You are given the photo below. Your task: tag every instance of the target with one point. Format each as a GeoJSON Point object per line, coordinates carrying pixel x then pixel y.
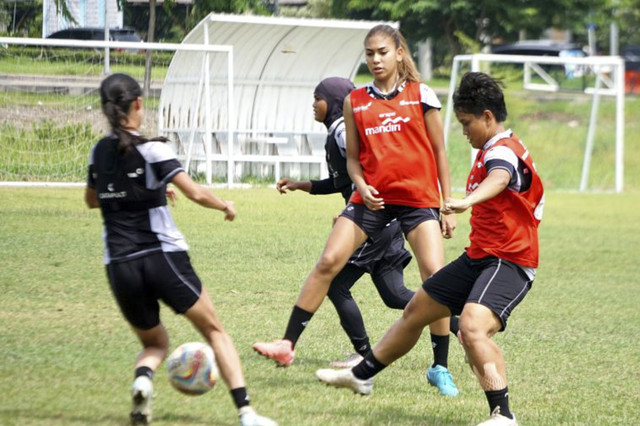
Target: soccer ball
{"type": "Point", "coordinates": [192, 368]}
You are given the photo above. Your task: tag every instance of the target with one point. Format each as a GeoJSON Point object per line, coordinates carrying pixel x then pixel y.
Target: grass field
{"type": "Point", "coordinates": [571, 347]}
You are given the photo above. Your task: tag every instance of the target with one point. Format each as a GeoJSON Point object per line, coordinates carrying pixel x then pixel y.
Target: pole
{"type": "Point", "coordinates": [107, 65]}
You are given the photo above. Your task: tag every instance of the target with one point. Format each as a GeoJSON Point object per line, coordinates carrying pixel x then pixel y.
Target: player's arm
{"type": "Point", "coordinates": [202, 196]}
{"type": "Point", "coordinates": [435, 133]}
{"type": "Point", "coordinates": [286, 184]}
{"type": "Point", "coordinates": [496, 181]}
{"type": "Point", "coordinates": [91, 198]}
{"type": "Point", "coordinates": [354, 168]}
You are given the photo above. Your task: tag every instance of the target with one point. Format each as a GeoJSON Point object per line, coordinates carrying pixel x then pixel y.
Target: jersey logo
{"type": "Point", "coordinates": [389, 125]}
{"type": "Point", "coordinates": [404, 103]}
{"type": "Point", "coordinates": [362, 107]}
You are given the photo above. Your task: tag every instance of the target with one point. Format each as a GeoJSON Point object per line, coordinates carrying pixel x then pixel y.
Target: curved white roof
{"type": "Point", "coordinates": [277, 62]}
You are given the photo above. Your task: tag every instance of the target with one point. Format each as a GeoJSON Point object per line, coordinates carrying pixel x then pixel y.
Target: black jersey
{"type": "Point", "coordinates": [131, 193]}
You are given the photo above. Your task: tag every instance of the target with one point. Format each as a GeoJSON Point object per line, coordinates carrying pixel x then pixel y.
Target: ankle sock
{"type": "Point", "coordinates": [499, 398]}
{"type": "Point", "coordinates": [440, 345]}
{"type": "Point", "coordinates": [240, 397]}
{"type": "Point", "coordinates": [143, 371]}
{"type": "Point", "coordinates": [368, 367]}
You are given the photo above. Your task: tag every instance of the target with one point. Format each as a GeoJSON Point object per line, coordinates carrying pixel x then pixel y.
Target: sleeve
{"type": "Point", "coordinates": [428, 98]}
{"type": "Point", "coordinates": [322, 187]}
{"type": "Point", "coordinates": [501, 157]}
{"type": "Point", "coordinates": [161, 159]}
{"type": "Point", "coordinates": [91, 175]}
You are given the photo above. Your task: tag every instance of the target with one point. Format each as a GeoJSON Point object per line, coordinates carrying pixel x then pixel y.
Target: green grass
{"type": "Point", "coordinates": [571, 346]}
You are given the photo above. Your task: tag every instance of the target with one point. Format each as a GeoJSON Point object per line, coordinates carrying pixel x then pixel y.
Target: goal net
{"type": "Point", "coordinates": [50, 114]}
{"type": "Point", "coordinates": [568, 111]}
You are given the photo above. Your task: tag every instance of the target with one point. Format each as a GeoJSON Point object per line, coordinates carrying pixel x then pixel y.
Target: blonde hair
{"type": "Point", "coordinates": [407, 69]}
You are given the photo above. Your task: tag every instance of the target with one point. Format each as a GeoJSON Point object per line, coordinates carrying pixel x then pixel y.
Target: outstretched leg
{"type": "Point", "coordinates": [345, 237]}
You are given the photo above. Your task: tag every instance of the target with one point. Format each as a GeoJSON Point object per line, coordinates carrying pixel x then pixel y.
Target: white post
{"type": "Point", "coordinates": [588, 150]}
{"type": "Point", "coordinates": [231, 117]}
{"type": "Point", "coordinates": [455, 67]}
{"type": "Point", "coordinates": [194, 116]}
{"type": "Point", "coordinates": [107, 65]}
{"type": "Point", "coordinates": [620, 126]}
{"type": "Point", "coordinates": [475, 67]}
{"type": "Point", "coordinates": [207, 108]}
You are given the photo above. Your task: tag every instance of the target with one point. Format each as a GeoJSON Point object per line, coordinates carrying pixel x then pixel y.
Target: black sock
{"type": "Point", "coordinates": [240, 397]}
{"type": "Point", "coordinates": [362, 346]}
{"type": "Point", "coordinates": [143, 371]}
{"type": "Point", "coordinates": [297, 322]}
{"type": "Point", "coordinates": [440, 345]}
{"type": "Point", "coordinates": [368, 367]}
{"type": "Point", "coordinates": [454, 325]}
{"type": "Point", "coordinates": [499, 398]}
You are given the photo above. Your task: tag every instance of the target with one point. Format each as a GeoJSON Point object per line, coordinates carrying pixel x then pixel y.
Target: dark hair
{"type": "Point", "coordinates": [478, 92]}
{"type": "Point", "coordinates": [117, 93]}
{"type": "Point", "coordinates": [407, 68]}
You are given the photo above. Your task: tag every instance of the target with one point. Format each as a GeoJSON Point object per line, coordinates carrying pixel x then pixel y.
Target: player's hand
{"type": "Point", "coordinates": [372, 202]}
{"type": "Point", "coordinates": [172, 196]}
{"type": "Point", "coordinates": [447, 224]}
{"type": "Point", "coordinates": [286, 184]}
{"type": "Point", "coordinates": [229, 211]}
{"type": "Point", "coordinates": [455, 205]}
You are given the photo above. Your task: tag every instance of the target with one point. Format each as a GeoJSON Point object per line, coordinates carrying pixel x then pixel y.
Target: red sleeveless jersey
{"type": "Point", "coordinates": [395, 152]}
{"type": "Point", "coordinates": [506, 226]}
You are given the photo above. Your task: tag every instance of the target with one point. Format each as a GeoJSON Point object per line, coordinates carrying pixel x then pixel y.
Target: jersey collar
{"type": "Point", "coordinates": [502, 135]}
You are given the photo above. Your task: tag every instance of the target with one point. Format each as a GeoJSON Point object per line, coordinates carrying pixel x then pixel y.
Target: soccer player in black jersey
{"type": "Point", "coordinates": [383, 259]}
{"type": "Point", "coordinates": [145, 254]}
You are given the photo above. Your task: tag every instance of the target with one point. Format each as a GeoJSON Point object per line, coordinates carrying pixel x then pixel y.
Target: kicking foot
{"type": "Point", "coordinates": [249, 417]}
{"type": "Point", "coordinates": [345, 379]}
{"type": "Point", "coordinates": [281, 351]}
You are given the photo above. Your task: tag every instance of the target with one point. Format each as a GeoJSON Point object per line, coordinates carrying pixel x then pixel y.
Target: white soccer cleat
{"type": "Point", "coordinates": [141, 394]}
{"type": "Point", "coordinates": [498, 419]}
{"type": "Point", "coordinates": [345, 379]}
{"type": "Point", "coordinates": [349, 362]}
{"type": "Point", "coordinates": [249, 417]}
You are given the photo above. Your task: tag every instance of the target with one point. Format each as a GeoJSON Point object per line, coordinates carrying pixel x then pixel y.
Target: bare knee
{"type": "Point", "coordinates": [329, 264]}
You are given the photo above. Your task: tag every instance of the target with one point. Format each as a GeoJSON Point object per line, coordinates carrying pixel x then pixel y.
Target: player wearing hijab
{"type": "Point", "coordinates": [496, 271]}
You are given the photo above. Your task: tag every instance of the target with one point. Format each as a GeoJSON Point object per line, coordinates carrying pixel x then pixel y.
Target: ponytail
{"type": "Point", "coordinates": [117, 94]}
{"type": "Point", "coordinates": [407, 70]}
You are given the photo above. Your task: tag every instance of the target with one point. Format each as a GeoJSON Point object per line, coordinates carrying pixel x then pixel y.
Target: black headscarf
{"type": "Point", "coordinates": [333, 90]}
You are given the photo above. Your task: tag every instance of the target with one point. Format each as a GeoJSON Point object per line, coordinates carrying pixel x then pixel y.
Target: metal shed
{"type": "Point", "coordinates": [258, 93]}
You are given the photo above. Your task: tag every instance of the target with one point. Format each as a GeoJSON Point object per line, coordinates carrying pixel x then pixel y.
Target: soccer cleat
{"type": "Point", "coordinates": [349, 362]}
{"type": "Point", "coordinates": [345, 379]}
{"type": "Point", "coordinates": [249, 417]}
{"type": "Point", "coordinates": [141, 394]}
{"type": "Point", "coordinates": [440, 377]}
{"type": "Point", "coordinates": [281, 351]}
{"type": "Point", "coordinates": [498, 419]}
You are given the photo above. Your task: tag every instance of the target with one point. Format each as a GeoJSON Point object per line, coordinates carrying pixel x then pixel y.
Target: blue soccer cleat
{"type": "Point", "coordinates": [440, 377]}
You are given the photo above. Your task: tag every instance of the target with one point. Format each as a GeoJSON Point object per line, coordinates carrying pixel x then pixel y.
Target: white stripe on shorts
{"type": "Point", "coordinates": [490, 280]}
{"type": "Point", "coordinates": [179, 275]}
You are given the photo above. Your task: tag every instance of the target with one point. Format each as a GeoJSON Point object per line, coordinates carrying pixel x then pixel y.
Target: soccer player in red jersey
{"type": "Point", "coordinates": [397, 161]}
{"type": "Point", "coordinates": [494, 273]}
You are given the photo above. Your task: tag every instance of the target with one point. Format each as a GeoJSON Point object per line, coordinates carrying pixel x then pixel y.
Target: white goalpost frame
{"type": "Point", "coordinates": [138, 46]}
{"type": "Point", "coordinates": [600, 65]}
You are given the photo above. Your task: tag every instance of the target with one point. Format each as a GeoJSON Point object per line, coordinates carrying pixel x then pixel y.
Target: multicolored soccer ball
{"type": "Point", "coordinates": [192, 368]}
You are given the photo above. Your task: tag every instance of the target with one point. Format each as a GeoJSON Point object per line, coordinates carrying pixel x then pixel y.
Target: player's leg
{"type": "Point", "coordinates": [350, 316]}
{"type": "Point", "coordinates": [396, 342]}
{"type": "Point", "coordinates": [389, 282]}
{"type": "Point", "coordinates": [345, 237]}
{"type": "Point", "coordinates": [203, 316]}
{"type": "Point", "coordinates": [426, 241]}
{"type": "Point", "coordinates": [498, 289]}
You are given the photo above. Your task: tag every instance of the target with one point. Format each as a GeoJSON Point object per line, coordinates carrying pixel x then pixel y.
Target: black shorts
{"type": "Point", "coordinates": [387, 252]}
{"type": "Point", "coordinates": [139, 283]}
{"type": "Point", "coordinates": [493, 282]}
{"type": "Point", "coordinates": [373, 222]}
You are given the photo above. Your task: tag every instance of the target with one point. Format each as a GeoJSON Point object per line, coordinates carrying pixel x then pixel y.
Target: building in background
{"type": "Point", "coordinates": [87, 13]}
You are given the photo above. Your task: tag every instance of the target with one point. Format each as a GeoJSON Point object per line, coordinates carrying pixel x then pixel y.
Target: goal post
{"type": "Point", "coordinates": [608, 73]}
{"type": "Point", "coordinates": [50, 112]}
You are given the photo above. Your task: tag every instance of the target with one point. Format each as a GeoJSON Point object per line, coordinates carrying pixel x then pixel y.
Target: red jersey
{"type": "Point", "coordinates": [506, 226]}
{"type": "Point", "coordinates": [395, 152]}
